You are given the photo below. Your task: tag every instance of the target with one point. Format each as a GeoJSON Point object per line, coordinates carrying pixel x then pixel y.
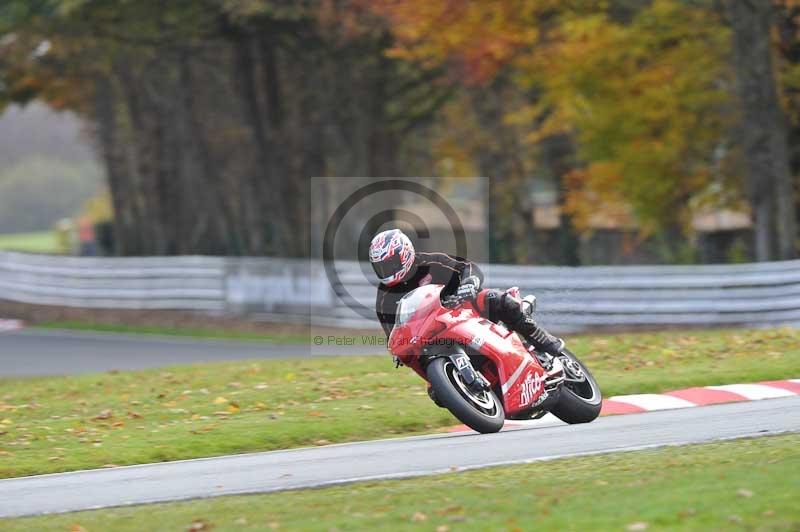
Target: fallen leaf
{"type": "Point", "coordinates": [745, 493]}
{"type": "Point", "coordinates": [419, 516]}
{"type": "Point", "coordinates": [200, 524]}
{"type": "Point", "coordinates": [455, 509]}
{"type": "Point", "coordinates": [241, 521]}
{"type": "Point", "coordinates": [76, 528]}
{"type": "Point", "coordinates": [233, 408]}
{"type": "Point", "coordinates": [134, 415]}
{"type": "Point", "coordinates": [442, 528]}
{"type": "Point", "coordinates": [104, 414]}
{"type": "Point", "coordinates": [639, 525]}
{"type": "Point", "coordinates": [220, 401]}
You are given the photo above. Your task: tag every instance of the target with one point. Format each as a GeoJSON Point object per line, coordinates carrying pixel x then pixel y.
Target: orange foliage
{"type": "Point", "coordinates": [475, 39]}
{"type": "Point", "coordinates": [644, 99]}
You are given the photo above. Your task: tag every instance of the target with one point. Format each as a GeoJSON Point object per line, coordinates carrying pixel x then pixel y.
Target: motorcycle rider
{"type": "Point", "coordinates": [401, 270]}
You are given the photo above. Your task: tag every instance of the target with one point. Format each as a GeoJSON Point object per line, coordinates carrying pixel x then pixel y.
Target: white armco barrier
{"type": "Point", "coordinates": [569, 298]}
{"type": "Point", "coordinates": [189, 283]}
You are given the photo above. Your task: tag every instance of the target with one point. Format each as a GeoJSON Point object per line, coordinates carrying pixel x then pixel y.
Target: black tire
{"type": "Point", "coordinates": [441, 374]}
{"type": "Point", "coordinates": [578, 403]}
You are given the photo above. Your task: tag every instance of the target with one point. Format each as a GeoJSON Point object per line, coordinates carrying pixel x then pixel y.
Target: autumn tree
{"type": "Point", "coordinates": [212, 115]}
{"type": "Point", "coordinates": [764, 131]}
{"type": "Point", "coordinates": [641, 89]}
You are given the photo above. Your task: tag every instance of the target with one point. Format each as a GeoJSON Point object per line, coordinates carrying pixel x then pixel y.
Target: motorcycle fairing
{"type": "Point", "coordinates": [519, 376]}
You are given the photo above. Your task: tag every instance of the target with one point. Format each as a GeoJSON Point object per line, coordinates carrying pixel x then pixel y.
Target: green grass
{"type": "Point", "coordinates": [55, 424]}
{"type": "Point", "coordinates": [193, 332]}
{"type": "Point", "coordinates": [39, 242]}
{"type": "Point", "coordinates": [734, 485]}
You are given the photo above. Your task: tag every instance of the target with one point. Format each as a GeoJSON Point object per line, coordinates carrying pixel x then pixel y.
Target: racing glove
{"type": "Point", "coordinates": [468, 290]}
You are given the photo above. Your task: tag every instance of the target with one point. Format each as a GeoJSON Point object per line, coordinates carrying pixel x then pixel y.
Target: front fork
{"type": "Point", "coordinates": [474, 381]}
{"type": "Point", "coordinates": [471, 377]}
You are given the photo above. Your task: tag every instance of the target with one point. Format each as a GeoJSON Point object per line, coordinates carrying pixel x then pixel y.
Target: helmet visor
{"type": "Point", "coordinates": [388, 266]}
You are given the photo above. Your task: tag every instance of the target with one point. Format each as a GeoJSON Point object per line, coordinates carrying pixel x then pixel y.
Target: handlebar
{"type": "Point", "coordinates": [451, 301]}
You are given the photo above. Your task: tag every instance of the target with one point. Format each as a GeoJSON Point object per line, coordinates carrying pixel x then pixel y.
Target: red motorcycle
{"type": "Point", "coordinates": [482, 372]}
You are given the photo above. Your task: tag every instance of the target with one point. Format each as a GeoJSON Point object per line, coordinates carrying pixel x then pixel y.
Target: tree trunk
{"type": "Point", "coordinates": [126, 222]}
{"type": "Point", "coordinates": [763, 131]}
{"type": "Point", "coordinates": [143, 153]}
{"type": "Point", "coordinates": [558, 154]}
{"type": "Point", "coordinates": [204, 176]}
{"type": "Point", "coordinates": [258, 183]}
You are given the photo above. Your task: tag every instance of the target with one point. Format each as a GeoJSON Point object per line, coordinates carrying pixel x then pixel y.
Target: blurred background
{"type": "Point", "coordinates": [617, 132]}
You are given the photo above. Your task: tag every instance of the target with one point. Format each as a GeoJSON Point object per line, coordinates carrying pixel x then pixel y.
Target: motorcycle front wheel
{"type": "Point", "coordinates": [480, 411]}
{"type": "Point", "coordinates": [579, 399]}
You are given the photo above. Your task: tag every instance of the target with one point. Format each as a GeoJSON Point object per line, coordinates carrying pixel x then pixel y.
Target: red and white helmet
{"type": "Point", "coordinates": [391, 254]}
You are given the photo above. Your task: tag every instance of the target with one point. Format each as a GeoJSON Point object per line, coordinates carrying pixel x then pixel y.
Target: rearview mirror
{"type": "Point", "coordinates": [529, 305]}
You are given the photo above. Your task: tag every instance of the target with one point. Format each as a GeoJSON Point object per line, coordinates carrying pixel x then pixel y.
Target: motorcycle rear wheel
{"type": "Point", "coordinates": [482, 412]}
{"type": "Point", "coordinates": [578, 402]}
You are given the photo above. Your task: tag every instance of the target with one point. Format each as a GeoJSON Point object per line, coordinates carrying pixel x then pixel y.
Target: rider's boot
{"type": "Point", "coordinates": [538, 336]}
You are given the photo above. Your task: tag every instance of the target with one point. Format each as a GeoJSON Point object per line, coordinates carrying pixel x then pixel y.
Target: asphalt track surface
{"type": "Point", "coordinates": [395, 458]}
{"type": "Point", "coordinates": [55, 352]}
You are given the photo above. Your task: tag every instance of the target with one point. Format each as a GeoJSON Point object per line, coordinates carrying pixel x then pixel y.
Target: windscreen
{"type": "Point", "coordinates": [415, 300]}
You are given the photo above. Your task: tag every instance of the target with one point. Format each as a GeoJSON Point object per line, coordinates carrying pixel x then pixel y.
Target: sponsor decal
{"type": "Point", "coordinates": [541, 399]}
{"type": "Point", "coordinates": [477, 342]}
{"type": "Point", "coordinates": [500, 329]}
{"type": "Point", "coordinates": [529, 388]}
{"type": "Point", "coordinates": [462, 362]}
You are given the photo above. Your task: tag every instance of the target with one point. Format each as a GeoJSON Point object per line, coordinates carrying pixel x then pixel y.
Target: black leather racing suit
{"type": "Point", "coordinates": [428, 268]}
{"type": "Point", "coordinates": [441, 268]}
